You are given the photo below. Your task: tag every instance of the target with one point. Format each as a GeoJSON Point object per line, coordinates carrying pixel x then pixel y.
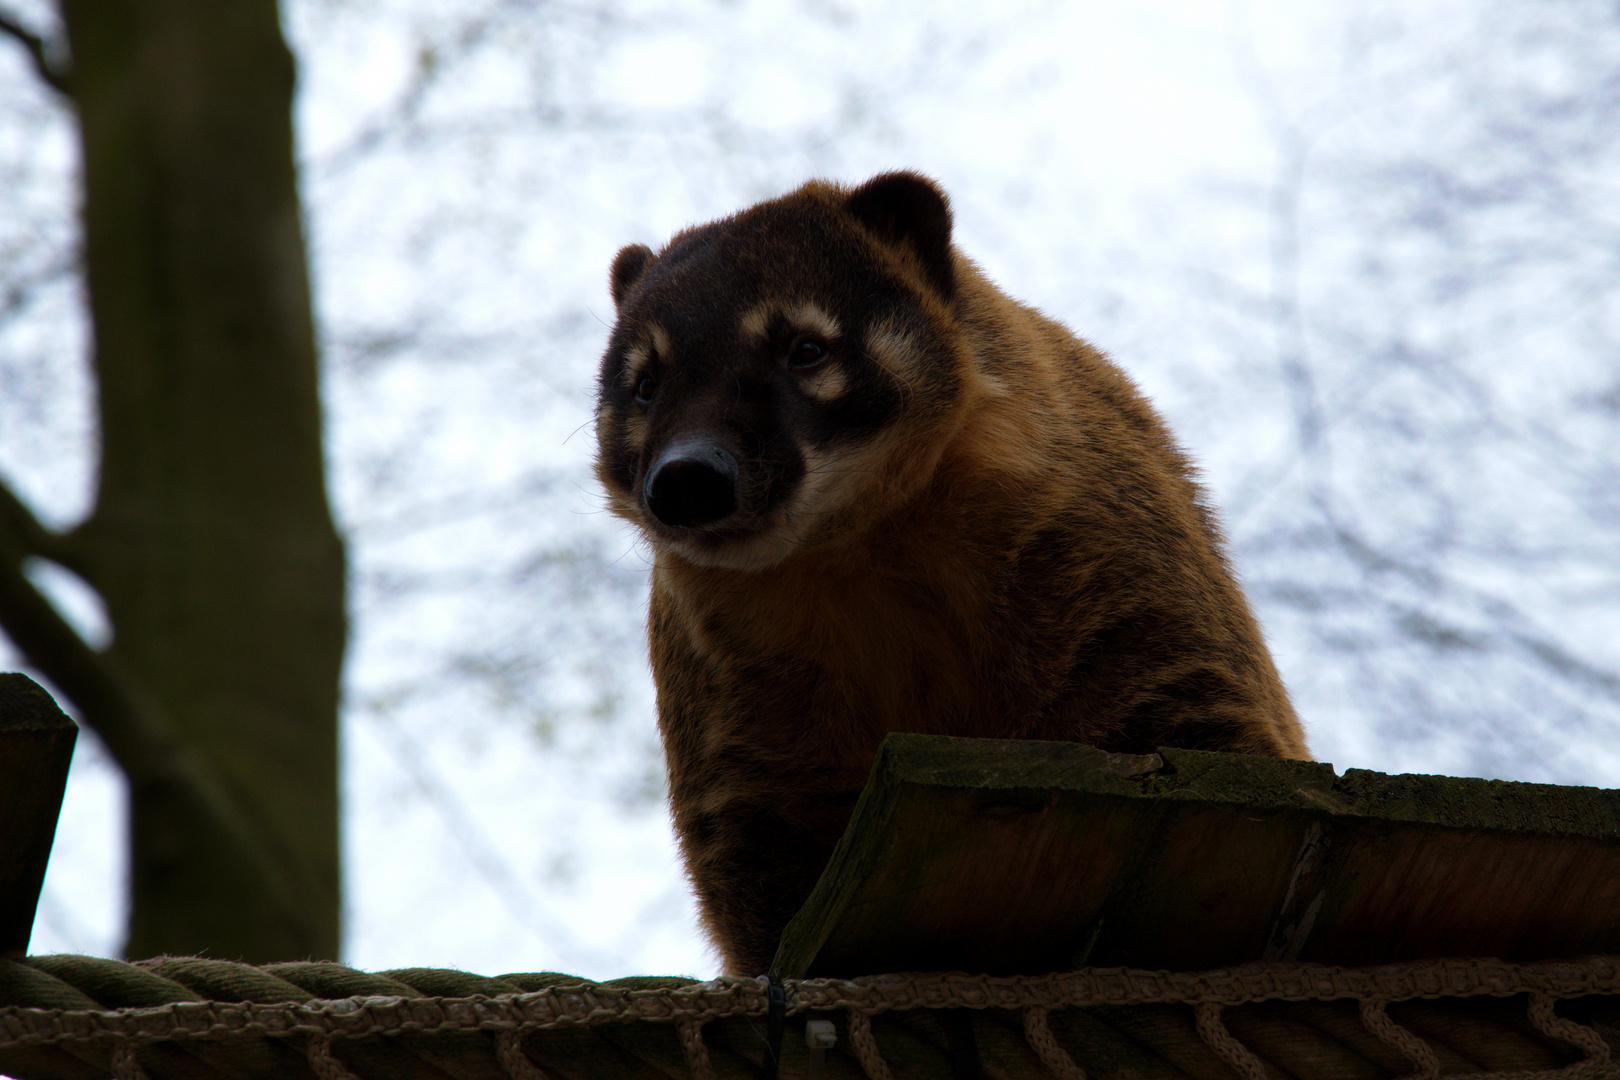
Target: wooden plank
{"type": "Point", "coordinates": [1024, 857]}
{"type": "Point", "coordinates": [961, 856]}
{"type": "Point", "coordinates": [36, 747]}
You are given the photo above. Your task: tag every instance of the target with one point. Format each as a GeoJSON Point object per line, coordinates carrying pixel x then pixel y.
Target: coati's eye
{"type": "Point", "coordinates": [806, 351]}
{"type": "Point", "coordinates": [645, 390]}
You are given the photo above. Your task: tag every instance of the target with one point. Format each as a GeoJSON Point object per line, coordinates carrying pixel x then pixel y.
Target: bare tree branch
{"type": "Point", "coordinates": [19, 527]}
{"type": "Point", "coordinates": [39, 52]}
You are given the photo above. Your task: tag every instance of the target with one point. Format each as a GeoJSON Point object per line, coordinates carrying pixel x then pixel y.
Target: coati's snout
{"type": "Point", "coordinates": [709, 468]}
{"type": "Point", "coordinates": [692, 483]}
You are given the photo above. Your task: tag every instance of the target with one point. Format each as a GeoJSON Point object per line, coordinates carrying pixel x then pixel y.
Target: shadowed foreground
{"type": "Point", "coordinates": [1024, 859]}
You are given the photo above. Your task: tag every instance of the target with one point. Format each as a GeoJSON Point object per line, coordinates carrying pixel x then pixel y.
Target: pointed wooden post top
{"type": "Point", "coordinates": [36, 747]}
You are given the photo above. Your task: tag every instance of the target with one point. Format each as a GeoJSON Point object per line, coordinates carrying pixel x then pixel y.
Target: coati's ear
{"type": "Point", "coordinates": [628, 265]}
{"type": "Point", "coordinates": [908, 210]}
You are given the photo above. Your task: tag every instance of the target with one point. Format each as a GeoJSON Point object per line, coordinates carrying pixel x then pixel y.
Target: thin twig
{"type": "Point", "coordinates": [21, 529]}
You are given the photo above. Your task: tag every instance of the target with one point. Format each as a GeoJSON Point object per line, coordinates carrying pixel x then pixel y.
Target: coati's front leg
{"type": "Point", "coordinates": [753, 860]}
{"type": "Point", "coordinates": [758, 805]}
{"type": "Point", "coordinates": [757, 823]}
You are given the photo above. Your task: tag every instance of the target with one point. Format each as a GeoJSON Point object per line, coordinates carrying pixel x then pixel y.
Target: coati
{"type": "Point", "coordinates": [883, 496]}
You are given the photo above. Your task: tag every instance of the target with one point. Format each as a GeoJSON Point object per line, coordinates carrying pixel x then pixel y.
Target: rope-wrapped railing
{"type": "Point", "coordinates": [80, 1017]}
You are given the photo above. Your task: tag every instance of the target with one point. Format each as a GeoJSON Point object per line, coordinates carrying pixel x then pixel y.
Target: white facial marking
{"type": "Point", "coordinates": [755, 326]}
{"type": "Point", "coordinates": [635, 366]}
{"type": "Point", "coordinates": [810, 318]}
{"type": "Point", "coordinates": [825, 384]}
{"type": "Point", "coordinates": [897, 351]}
{"type": "Point", "coordinates": [661, 343]}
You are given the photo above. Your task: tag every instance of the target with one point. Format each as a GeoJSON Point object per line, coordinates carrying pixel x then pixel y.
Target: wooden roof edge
{"type": "Point", "coordinates": [1274, 784]}
{"type": "Point", "coordinates": [1029, 772]}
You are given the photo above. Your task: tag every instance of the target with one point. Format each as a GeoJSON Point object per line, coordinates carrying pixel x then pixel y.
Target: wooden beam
{"type": "Point", "coordinates": [1026, 857]}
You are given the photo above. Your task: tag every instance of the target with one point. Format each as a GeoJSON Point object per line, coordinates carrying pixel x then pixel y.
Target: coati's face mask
{"type": "Point", "coordinates": [765, 374]}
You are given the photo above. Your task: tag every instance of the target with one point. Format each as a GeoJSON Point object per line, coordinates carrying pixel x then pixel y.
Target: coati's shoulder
{"type": "Point", "coordinates": [1021, 348]}
{"type": "Point", "coordinates": [1099, 474]}
{"type": "Point", "coordinates": [1045, 401]}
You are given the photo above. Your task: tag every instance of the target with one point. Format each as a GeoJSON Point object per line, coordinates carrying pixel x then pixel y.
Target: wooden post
{"type": "Point", "coordinates": [36, 747]}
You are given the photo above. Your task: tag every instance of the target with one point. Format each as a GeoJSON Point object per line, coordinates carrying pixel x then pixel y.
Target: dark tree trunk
{"type": "Point", "coordinates": [211, 540]}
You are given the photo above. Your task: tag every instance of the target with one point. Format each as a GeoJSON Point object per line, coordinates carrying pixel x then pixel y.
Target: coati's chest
{"type": "Point", "coordinates": [826, 659]}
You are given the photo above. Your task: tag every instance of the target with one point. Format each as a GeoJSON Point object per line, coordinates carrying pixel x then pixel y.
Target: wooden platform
{"type": "Point", "coordinates": [1029, 857]}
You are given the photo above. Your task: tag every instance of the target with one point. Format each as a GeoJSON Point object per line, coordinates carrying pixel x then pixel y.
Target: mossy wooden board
{"type": "Point", "coordinates": [1026, 857]}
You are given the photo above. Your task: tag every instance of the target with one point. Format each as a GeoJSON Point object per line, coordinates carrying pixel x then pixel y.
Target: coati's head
{"type": "Point", "coordinates": [778, 377]}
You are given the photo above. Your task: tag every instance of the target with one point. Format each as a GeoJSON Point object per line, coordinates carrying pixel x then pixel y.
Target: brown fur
{"type": "Point", "coordinates": [997, 537]}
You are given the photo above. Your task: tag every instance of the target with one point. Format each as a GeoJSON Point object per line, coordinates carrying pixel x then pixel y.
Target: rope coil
{"type": "Point", "coordinates": [866, 1047]}
{"type": "Point", "coordinates": [326, 1065]}
{"type": "Point", "coordinates": [1207, 1019]}
{"type": "Point", "coordinates": [509, 1051]}
{"type": "Point", "coordinates": [692, 1048]}
{"type": "Point", "coordinates": [1375, 1018]}
{"type": "Point", "coordinates": [1038, 1033]}
{"type": "Point", "coordinates": [125, 1065]}
{"type": "Point", "coordinates": [1596, 1061]}
{"type": "Point", "coordinates": [578, 1003]}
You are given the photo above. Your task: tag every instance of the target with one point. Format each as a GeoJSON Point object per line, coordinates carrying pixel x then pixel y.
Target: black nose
{"type": "Point", "coordinates": [692, 483]}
